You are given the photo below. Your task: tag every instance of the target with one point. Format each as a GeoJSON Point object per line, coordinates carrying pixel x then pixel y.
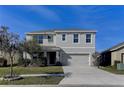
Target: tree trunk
{"type": "Point", "coordinates": [11, 66]}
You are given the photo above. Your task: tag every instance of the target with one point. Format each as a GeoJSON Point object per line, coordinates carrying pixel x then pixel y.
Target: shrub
{"type": "Point", "coordinates": [37, 63]}
{"type": "Point", "coordinates": [3, 62]}
{"type": "Point", "coordinates": [20, 61]}
{"type": "Point", "coordinates": [58, 63]}
{"type": "Point", "coordinates": [33, 62]}
{"type": "Point", "coordinates": [24, 62]}
{"type": "Point", "coordinates": [44, 61]}
{"type": "Point", "coordinates": [96, 59]}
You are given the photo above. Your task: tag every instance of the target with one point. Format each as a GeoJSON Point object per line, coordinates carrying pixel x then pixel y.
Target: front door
{"type": "Point", "coordinates": [52, 58]}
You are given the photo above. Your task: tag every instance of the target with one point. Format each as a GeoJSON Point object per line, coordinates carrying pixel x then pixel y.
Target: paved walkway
{"type": "Point", "coordinates": [90, 76]}
{"type": "Point", "coordinates": [36, 75]}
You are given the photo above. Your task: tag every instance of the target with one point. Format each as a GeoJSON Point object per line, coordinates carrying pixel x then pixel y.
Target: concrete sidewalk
{"type": "Point", "coordinates": [37, 75]}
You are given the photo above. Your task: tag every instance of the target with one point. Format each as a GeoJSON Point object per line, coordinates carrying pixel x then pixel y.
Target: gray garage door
{"type": "Point", "coordinates": [79, 59]}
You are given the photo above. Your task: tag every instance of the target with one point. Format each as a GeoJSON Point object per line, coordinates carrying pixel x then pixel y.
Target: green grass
{"type": "Point", "coordinates": [112, 69]}
{"type": "Point", "coordinates": [32, 70]}
{"type": "Point", "coordinates": [34, 81]}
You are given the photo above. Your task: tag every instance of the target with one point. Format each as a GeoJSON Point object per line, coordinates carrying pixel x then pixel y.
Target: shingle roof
{"type": "Point", "coordinates": [116, 47]}
{"type": "Point", "coordinates": [39, 31]}
{"type": "Point", "coordinates": [60, 30]}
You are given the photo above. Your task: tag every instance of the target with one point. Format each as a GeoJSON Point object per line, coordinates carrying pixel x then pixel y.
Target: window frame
{"type": "Point", "coordinates": [88, 38]}
{"type": "Point", "coordinates": [76, 38]}
{"type": "Point", "coordinates": [38, 39]}
{"type": "Point", "coordinates": [50, 40]}
{"type": "Point", "coordinates": [63, 37]}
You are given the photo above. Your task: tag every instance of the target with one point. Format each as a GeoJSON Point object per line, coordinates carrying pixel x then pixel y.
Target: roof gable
{"type": "Point", "coordinates": [116, 47]}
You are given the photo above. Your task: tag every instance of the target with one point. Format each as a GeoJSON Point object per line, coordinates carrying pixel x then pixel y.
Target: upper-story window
{"type": "Point", "coordinates": [88, 38]}
{"type": "Point", "coordinates": [63, 37]}
{"type": "Point", "coordinates": [50, 38]}
{"type": "Point", "coordinates": [75, 38]}
{"type": "Point", "coordinates": [39, 39]}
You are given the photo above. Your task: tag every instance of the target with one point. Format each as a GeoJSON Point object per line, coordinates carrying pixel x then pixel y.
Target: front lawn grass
{"type": "Point", "coordinates": [112, 69]}
{"type": "Point", "coordinates": [34, 81]}
{"type": "Point", "coordinates": [32, 70]}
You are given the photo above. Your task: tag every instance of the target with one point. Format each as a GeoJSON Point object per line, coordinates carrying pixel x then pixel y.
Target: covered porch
{"type": "Point", "coordinates": [51, 54]}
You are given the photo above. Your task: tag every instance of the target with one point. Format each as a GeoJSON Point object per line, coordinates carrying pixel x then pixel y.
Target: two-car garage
{"type": "Point", "coordinates": [79, 59]}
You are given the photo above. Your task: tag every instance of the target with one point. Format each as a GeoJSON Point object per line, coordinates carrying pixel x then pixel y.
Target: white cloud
{"type": "Point", "coordinates": [44, 13]}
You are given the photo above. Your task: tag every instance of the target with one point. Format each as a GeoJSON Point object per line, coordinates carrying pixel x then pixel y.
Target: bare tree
{"type": "Point", "coordinates": [3, 35]}
{"type": "Point", "coordinates": [12, 48]}
{"type": "Point", "coordinates": [9, 44]}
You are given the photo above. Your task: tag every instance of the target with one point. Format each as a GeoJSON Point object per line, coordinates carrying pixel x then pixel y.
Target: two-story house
{"type": "Point", "coordinates": [66, 46]}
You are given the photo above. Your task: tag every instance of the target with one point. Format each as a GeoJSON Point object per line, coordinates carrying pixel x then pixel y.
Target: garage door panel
{"type": "Point", "coordinates": [79, 59]}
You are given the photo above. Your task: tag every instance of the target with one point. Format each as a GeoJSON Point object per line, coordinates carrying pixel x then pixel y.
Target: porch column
{"type": "Point", "coordinates": [45, 54]}
{"type": "Point", "coordinates": [57, 56]}
{"type": "Point", "coordinates": [90, 60]}
{"type": "Point", "coordinates": [0, 53]}
{"type": "Point", "coordinates": [46, 59]}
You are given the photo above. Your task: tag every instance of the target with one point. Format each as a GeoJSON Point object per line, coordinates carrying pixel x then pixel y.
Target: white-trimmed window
{"type": "Point", "coordinates": [39, 39]}
{"type": "Point", "coordinates": [75, 38]}
{"type": "Point", "coordinates": [50, 38]}
{"type": "Point", "coordinates": [63, 37]}
{"type": "Point", "coordinates": [88, 38]}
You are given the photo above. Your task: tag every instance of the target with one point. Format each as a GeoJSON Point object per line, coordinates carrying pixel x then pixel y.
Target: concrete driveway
{"type": "Point", "coordinates": [90, 76]}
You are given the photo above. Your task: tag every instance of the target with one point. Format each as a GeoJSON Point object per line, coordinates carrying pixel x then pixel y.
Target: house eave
{"type": "Point", "coordinates": [50, 48]}
{"type": "Point", "coordinates": [114, 48]}
{"type": "Point", "coordinates": [41, 33]}
{"type": "Point", "coordinates": [60, 31]}
{"type": "Point", "coordinates": [75, 31]}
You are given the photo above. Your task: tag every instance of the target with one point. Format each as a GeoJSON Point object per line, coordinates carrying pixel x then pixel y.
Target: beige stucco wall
{"type": "Point", "coordinates": [46, 43]}
{"type": "Point", "coordinates": [116, 55]}
{"type": "Point", "coordinates": [6, 56]}
{"type": "Point", "coordinates": [69, 40]}
{"type": "Point", "coordinates": [113, 57]}
{"type": "Point", "coordinates": [45, 40]}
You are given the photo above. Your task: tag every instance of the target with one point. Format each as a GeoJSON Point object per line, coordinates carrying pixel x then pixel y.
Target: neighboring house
{"type": "Point", "coordinates": [7, 57]}
{"type": "Point", "coordinates": [112, 55]}
{"type": "Point", "coordinates": [66, 46]}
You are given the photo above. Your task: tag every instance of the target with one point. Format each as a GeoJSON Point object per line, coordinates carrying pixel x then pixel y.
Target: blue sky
{"type": "Point", "coordinates": [107, 20]}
